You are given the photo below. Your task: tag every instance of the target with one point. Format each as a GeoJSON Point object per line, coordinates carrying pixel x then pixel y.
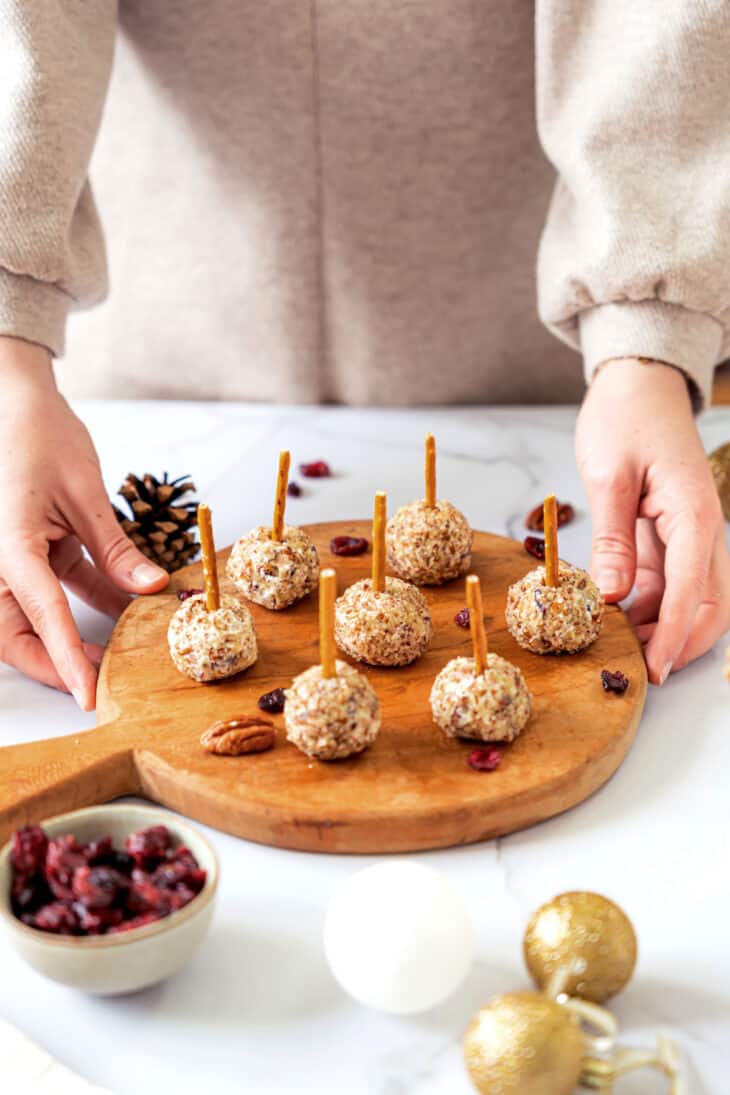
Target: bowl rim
{"type": "Point", "coordinates": [118, 939]}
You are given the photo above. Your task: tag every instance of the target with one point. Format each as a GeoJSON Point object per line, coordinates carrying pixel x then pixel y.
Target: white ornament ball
{"type": "Point", "coordinates": [398, 937]}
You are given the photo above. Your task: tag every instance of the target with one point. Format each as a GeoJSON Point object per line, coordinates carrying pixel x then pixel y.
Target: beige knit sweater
{"type": "Point", "coordinates": [343, 199]}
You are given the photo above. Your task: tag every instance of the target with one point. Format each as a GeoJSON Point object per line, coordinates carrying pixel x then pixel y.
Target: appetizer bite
{"type": "Point", "coordinates": [331, 710]}
{"type": "Point", "coordinates": [379, 620]}
{"type": "Point", "coordinates": [484, 697]}
{"type": "Point", "coordinates": [429, 541]}
{"type": "Point", "coordinates": [211, 637]}
{"type": "Point", "coordinates": [277, 566]}
{"type": "Point", "coordinates": [556, 608]}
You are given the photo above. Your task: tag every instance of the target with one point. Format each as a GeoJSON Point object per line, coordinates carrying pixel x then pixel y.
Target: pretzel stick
{"type": "Point", "coordinates": [476, 623]}
{"type": "Point", "coordinates": [550, 522]}
{"type": "Point", "coordinates": [282, 482]}
{"type": "Point", "coordinates": [379, 519]}
{"type": "Point", "coordinates": [327, 591]}
{"type": "Point", "coordinates": [210, 566]}
{"type": "Point", "coordinates": [430, 470]}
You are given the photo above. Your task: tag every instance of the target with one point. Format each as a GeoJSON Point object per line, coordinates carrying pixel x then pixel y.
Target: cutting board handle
{"type": "Point", "coordinates": [44, 778]}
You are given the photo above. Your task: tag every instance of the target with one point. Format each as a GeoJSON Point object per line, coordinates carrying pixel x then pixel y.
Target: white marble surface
{"type": "Point", "coordinates": [257, 1010]}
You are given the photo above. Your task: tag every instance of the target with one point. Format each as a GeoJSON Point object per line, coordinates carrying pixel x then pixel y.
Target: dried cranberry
{"type": "Point", "coordinates": [348, 545]}
{"type": "Point", "coordinates": [28, 893]}
{"type": "Point", "coordinates": [98, 887]}
{"type": "Point", "coordinates": [293, 490]}
{"type": "Point", "coordinates": [614, 682]}
{"type": "Point", "coordinates": [462, 617]}
{"type": "Point", "coordinates": [195, 875]}
{"type": "Point", "coordinates": [317, 469]}
{"type": "Point", "coordinates": [144, 897]}
{"type": "Point", "coordinates": [273, 702]}
{"type": "Point", "coordinates": [97, 921]}
{"type": "Point", "coordinates": [64, 856]}
{"type": "Point", "coordinates": [149, 846]}
{"type": "Point", "coordinates": [170, 886]}
{"type": "Point", "coordinates": [183, 896]}
{"type": "Point", "coordinates": [185, 594]}
{"type": "Point", "coordinates": [169, 875]}
{"type": "Point", "coordinates": [196, 880]}
{"type": "Point", "coordinates": [28, 851]}
{"type": "Point", "coordinates": [135, 922]}
{"type": "Point", "coordinates": [57, 918]}
{"type": "Point", "coordinates": [534, 546]}
{"type": "Point", "coordinates": [97, 851]}
{"type": "Point", "coordinates": [484, 760]}
{"type": "Point", "coordinates": [182, 854]}
{"type": "Point", "coordinates": [94, 889]}
{"type": "Point", "coordinates": [119, 861]}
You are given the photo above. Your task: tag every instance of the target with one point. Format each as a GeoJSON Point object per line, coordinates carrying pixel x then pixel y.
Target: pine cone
{"type": "Point", "coordinates": [161, 525]}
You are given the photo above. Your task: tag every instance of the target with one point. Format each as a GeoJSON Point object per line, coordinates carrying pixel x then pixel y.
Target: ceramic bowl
{"type": "Point", "coordinates": [109, 965]}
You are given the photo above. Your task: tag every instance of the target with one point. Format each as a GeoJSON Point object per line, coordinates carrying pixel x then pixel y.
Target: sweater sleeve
{"type": "Point", "coordinates": [633, 105]}
{"type": "Point", "coordinates": [55, 61]}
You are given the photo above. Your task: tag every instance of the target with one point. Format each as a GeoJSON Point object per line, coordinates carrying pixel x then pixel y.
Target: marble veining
{"type": "Point", "coordinates": [257, 1010]}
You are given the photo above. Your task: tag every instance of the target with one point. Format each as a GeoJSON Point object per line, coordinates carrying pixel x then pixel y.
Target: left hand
{"type": "Point", "coordinates": [657, 520]}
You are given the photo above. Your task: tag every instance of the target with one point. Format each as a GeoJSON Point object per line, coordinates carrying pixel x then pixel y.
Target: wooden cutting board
{"type": "Point", "coordinates": [412, 790]}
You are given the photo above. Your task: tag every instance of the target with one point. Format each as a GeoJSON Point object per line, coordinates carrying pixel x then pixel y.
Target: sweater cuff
{"type": "Point", "coordinates": [33, 310]}
{"type": "Point", "coordinates": [691, 341]}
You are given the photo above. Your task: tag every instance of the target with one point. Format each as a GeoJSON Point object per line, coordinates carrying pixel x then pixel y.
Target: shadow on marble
{"type": "Point", "coordinates": [241, 975]}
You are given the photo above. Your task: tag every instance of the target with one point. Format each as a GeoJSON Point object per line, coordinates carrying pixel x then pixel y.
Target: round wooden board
{"type": "Point", "coordinates": [411, 790]}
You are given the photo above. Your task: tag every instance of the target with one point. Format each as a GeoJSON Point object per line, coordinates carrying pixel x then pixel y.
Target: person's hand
{"type": "Point", "coordinates": [657, 521]}
{"type": "Point", "coordinates": [53, 503]}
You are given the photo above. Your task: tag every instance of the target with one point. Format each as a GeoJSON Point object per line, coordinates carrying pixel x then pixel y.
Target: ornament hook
{"type": "Point", "coordinates": [600, 1075]}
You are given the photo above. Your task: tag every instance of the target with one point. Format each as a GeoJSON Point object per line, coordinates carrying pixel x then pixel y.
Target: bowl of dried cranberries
{"type": "Point", "coordinates": [109, 899]}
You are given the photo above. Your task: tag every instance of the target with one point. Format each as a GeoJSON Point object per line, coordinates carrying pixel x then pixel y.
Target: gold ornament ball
{"type": "Point", "coordinates": [588, 933]}
{"type": "Point", "coordinates": [720, 465]}
{"type": "Point", "coordinates": [522, 1043]}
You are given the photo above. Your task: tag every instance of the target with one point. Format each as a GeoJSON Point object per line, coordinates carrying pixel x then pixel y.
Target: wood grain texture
{"type": "Point", "coordinates": [412, 790]}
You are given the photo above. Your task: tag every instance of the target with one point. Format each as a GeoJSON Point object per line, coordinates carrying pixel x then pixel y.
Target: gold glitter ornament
{"type": "Point", "coordinates": [720, 466]}
{"type": "Point", "coordinates": [523, 1043]}
{"type": "Point", "coordinates": [583, 943]}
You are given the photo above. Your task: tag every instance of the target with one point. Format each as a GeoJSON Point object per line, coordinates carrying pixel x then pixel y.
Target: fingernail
{"type": "Point", "coordinates": [78, 696]}
{"type": "Point", "coordinates": [79, 677]}
{"type": "Point", "coordinates": [665, 672]}
{"type": "Point", "coordinates": [609, 581]}
{"type": "Point", "coordinates": [146, 573]}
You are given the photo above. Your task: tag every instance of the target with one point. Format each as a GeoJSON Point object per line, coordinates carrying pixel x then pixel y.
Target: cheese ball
{"type": "Point", "coordinates": [331, 717]}
{"type": "Point", "coordinates": [208, 646]}
{"type": "Point", "coordinates": [389, 628]}
{"type": "Point", "coordinates": [429, 545]}
{"type": "Point", "coordinates": [559, 619]}
{"type": "Point", "coordinates": [274, 573]}
{"type": "Point", "coordinates": [489, 706]}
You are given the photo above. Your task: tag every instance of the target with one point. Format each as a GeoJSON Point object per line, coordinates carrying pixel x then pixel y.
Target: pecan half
{"type": "Point", "coordinates": [234, 737]}
{"type": "Point", "coordinates": [535, 520]}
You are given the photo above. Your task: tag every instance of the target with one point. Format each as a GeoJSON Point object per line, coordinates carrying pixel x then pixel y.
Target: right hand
{"type": "Point", "coordinates": [55, 502]}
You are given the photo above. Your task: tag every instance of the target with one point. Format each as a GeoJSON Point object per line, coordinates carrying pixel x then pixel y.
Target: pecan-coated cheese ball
{"type": "Point", "coordinates": [489, 706]}
{"type": "Point", "coordinates": [562, 619]}
{"type": "Point", "coordinates": [389, 628]}
{"type": "Point", "coordinates": [429, 545]}
{"type": "Point", "coordinates": [208, 646]}
{"type": "Point", "coordinates": [329, 718]}
{"type": "Point", "coordinates": [274, 573]}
